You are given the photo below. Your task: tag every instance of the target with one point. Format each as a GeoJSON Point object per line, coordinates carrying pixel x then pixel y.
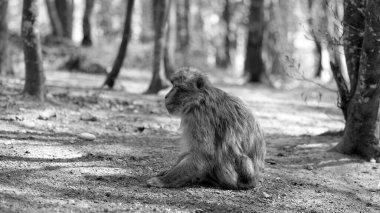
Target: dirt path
{"type": "Point", "coordinates": [45, 167]}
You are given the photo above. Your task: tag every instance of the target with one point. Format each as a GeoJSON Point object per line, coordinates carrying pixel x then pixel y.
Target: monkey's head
{"type": "Point", "coordinates": [189, 86]}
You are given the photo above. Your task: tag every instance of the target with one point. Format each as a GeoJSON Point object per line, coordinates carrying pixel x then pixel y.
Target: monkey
{"type": "Point", "coordinates": [222, 143]}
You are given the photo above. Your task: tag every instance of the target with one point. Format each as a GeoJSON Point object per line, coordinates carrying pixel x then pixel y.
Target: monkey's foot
{"type": "Point", "coordinates": [155, 182]}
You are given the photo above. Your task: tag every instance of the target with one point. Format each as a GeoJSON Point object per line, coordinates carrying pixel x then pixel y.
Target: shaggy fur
{"type": "Point", "coordinates": [222, 143]}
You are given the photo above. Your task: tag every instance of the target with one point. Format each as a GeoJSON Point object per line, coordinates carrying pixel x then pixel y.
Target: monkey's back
{"type": "Point", "coordinates": [225, 121]}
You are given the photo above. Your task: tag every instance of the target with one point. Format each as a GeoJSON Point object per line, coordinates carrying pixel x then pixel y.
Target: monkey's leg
{"type": "Point", "coordinates": [189, 169]}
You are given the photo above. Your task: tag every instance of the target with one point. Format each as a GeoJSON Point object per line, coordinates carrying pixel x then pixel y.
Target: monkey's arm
{"type": "Point", "coordinates": [189, 169]}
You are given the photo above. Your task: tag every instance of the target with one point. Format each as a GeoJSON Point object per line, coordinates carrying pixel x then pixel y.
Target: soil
{"type": "Point", "coordinates": [45, 166]}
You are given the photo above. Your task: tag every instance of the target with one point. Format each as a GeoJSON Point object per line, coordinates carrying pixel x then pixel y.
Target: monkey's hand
{"type": "Point", "coordinates": [155, 182]}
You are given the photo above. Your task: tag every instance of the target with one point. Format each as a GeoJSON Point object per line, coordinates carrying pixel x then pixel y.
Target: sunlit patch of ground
{"type": "Point", "coordinates": [45, 167]}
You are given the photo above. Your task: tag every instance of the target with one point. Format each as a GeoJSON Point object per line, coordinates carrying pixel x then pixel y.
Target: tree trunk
{"type": "Point", "coordinates": [353, 28]}
{"type": "Point", "coordinates": [362, 131]}
{"type": "Point", "coordinates": [56, 25]}
{"type": "Point", "coordinates": [5, 65]}
{"type": "Point", "coordinates": [65, 10]}
{"type": "Point", "coordinates": [34, 75]}
{"type": "Point", "coordinates": [254, 66]}
{"type": "Point", "coordinates": [170, 43]}
{"type": "Point", "coordinates": [159, 81]}
{"type": "Point", "coordinates": [224, 58]}
{"type": "Point", "coordinates": [318, 22]}
{"type": "Point", "coordinates": [275, 41]}
{"type": "Point", "coordinates": [147, 21]}
{"type": "Point", "coordinates": [87, 40]}
{"type": "Point", "coordinates": [111, 77]}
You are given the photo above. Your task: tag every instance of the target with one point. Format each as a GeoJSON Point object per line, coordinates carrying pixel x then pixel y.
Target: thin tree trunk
{"type": "Point", "coordinates": [362, 131]}
{"type": "Point", "coordinates": [343, 91]}
{"type": "Point", "coordinates": [254, 66]}
{"type": "Point", "coordinates": [34, 75]}
{"type": "Point", "coordinates": [87, 38]}
{"type": "Point", "coordinates": [318, 54]}
{"type": "Point", "coordinates": [170, 43]}
{"type": "Point", "coordinates": [5, 65]}
{"type": "Point", "coordinates": [56, 25]}
{"type": "Point", "coordinates": [111, 77]}
{"type": "Point", "coordinates": [65, 10]}
{"type": "Point", "coordinates": [159, 81]}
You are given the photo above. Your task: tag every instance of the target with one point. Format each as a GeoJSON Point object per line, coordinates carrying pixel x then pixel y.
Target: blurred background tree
{"type": "Point", "coordinates": [254, 66]}
{"type": "Point", "coordinates": [87, 35]}
{"type": "Point", "coordinates": [5, 64]}
{"type": "Point", "coordinates": [34, 73]}
{"type": "Point", "coordinates": [111, 77]}
{"type": "Point", "coordinates": [159, 79]}
{"type": "Point", "coordinates": [61, 17]}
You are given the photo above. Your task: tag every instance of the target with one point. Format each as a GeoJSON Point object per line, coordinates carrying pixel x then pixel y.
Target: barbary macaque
{"type": "Point", "coordinates": [222, 143]}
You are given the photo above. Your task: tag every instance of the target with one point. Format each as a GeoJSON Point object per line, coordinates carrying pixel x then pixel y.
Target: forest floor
{"type": "Point", "coordinates": [46, 167]}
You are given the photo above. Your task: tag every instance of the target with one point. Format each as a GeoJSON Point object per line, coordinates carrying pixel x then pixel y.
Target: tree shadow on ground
{"type": "Point", "coordinates": [301, 151]}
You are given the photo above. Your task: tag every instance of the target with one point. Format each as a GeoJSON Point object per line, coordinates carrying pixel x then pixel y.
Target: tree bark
{"type": "Point", "coordinates": [362, 131]}
{"type": "Point", "coordinates": [159, 81]}
{"type": "Point", "coordinates": [34, 75]}
{"type": "Point", "coordinates": [87, 38]}
{"type": "Point", "coordinates": [254, 66]}
{"type": "Point", "coordinates": [65, 10]}
{"type": "Point", "coordinates": [5, 65]}
{"type": "Point", "coordinates": [111, 77]}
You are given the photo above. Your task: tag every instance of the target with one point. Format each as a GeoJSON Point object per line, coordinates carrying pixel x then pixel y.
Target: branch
{"type": "Point", "coordinates": [343, 91]}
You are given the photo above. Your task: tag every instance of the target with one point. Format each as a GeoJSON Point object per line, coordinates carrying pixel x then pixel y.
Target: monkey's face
{"type": "Point", "coordinates": [178, 98]}
{"type": "Point", "coordinates": [187, 92]}
{"type": "Point", "coordinates": [173, 101]}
